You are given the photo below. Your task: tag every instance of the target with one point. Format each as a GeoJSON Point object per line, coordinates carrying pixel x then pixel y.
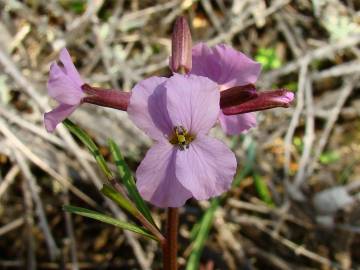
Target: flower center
{"type": "Point", "coordinates": [181, 138]}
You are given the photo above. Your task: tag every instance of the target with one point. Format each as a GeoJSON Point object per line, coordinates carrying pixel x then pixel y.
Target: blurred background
{"type": "Point", "coordinates": [296, 202]}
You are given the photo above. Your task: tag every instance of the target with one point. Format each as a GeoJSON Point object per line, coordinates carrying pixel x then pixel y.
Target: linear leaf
{"type": "Point", "coordinates": [128, 181]}
{"type": "Point", "coordinates": [89, 143]}
{"type": "Point", "coordinates": [118, 198]}
{"type": "Point", "coordinates": [202, 235]}
{"type": "Point", "coordinates": [107, 219]}
{"type": "Point", "coordinates": [262, 189]}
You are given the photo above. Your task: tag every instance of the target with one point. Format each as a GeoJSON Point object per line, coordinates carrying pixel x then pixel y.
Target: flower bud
{"type": "Point", "coordinates": [237, 95]}
{"type": "Point", "coordinates": [111, 98]}
{"type": "Point", "coordinates": [265, 100]}
{"type": "Point", "coordinates": [181, 56]}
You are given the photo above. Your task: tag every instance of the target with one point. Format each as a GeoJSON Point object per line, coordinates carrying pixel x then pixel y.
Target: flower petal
{"type": "Point", "coordinates": [206, 168]}
{"type": "Point", "coordinates": [224, 65]}
{"type": "Point", "coordinates": [156, 180]}
{"type": "Point", "coordinates": [69, 67]}
{"type": "Point", "coordinates": [54, 117]}
{"type": "Point", "coordinates": [147, 108]}
{"type": "Point", "coordinates": [192, 102]}
{"type": "Point", "coordinates": [62, 88]}
{"type": "Point", "coordinates": [237, 124]}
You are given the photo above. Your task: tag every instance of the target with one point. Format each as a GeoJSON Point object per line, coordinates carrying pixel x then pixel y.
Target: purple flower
{"type": "Point", "coordinates": [64, 85]}
{"type": "Point", "coordinates": [228, 68]}
{"type": "Point", "coordinates": [177, 113]}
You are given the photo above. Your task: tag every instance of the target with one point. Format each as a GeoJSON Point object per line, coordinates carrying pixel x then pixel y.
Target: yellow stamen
{"type": "Point", "coordinates": [181, 138]}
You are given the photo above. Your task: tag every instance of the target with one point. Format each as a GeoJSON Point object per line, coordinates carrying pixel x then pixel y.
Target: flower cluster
{"type": "Point", "coordinates": [208, 84]}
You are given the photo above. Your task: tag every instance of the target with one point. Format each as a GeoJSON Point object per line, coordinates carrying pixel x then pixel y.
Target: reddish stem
{"type": "Point", "coordinates": [170, 246]}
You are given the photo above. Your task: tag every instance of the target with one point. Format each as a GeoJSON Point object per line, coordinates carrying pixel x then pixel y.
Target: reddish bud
{"type": "Point", "coordinates": [181, 56]}
{"type": "Point", "coordinates": [106, 97]}
{"type": "Point", "coordinates": [264, 100]}
{"type": "Point", "coordinates": [237, 95]}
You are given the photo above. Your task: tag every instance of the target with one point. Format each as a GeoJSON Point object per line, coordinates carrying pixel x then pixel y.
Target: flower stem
{"type": "Point", "coordinates": [170, 246]}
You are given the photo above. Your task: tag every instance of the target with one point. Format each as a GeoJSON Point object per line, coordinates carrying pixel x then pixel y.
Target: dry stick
{"type": "Point", "coordinates": [39, 208]}
{"type": "Point", "coordinates": [29, 221]}
{"type": "Point", "coordinates": [212, 16]}
{"type": "Point", "coordinates": [322, 52]}
{"type": "Point", "coordinates": [68, 219]}
{"type": "Point", "coordinates": [8, 179]}
{"type": "Point", "coordinates": [39, 131]}
{"type": "Point", "coordinates": [284, 28]}
{"type": "Point", "coordinates": [265, 209]}
{"type": "Point", "coordinates": [344, 94]}
{"type": "Point", "coordinates": [70, 231]}
{"type": "Point", "coordinates": [147, 11]}
{"type": "Point", "coordinates": [228, 238]}
{"type": "Point", "coordinates": [41, 164]}
{"type": "Point", "coordinates": [295, 119]}
{"type": "Point", "coordinates": [236, 28]}
{"type": "Point", "coordinates": [308, 139]}
{"type": "Point", "coordinates": [277, 262]}
{"type": "Point", "coordinates": [11, 226]}
{"type": "Point", "coordinates": [28, 87]}
{"type": "Point", "coordinates": [92, 8]}
{"type": "Point", "coordinates": [297, 249]}
{"type": "Point", "coordinates": [338, 70]}
{"type": "Point", "coordinates": [106, 56]}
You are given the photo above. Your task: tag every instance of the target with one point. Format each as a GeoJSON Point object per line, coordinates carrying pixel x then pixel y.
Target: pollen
{"type": "Point", "coordinates": [181, 138]}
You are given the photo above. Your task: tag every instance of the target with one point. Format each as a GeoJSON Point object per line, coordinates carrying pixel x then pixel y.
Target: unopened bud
{"type": "Point", "coordinates": [106, 97]}
{"type": "Point", "coordinates": [264, 100]}
{"type": "Point", "coordinates": [237, 95]}
{"type": "Point", "coordinates": [181, 57]}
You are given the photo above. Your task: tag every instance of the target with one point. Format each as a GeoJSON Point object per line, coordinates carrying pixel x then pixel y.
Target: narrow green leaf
{"type": "Point", "coordinates": [129, 182]}
{"type": "Point", "coordinates": [89, 143]}
{"type": "Point", "coordinates": [262, 189]}
{"type": "Point", "coordinates": [118, 198]}
{"type": "Point", "coordinates": [202, 235]}
{"type": "Point", "coordinates": [109, 220]}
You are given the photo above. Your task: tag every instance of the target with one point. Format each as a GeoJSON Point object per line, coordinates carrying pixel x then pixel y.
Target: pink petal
{"type": "Point", "coordinates": [147, 108]}
{"type": "Point", "coordinates": [69, 67]}
{"type": "Point", "coordinates": [224, 65]}
{"type": "Point", "coordinates": [62, 88]}
{"type": "Point", "coordinates": [237, 124]}
{"type": "Point", "coordinates": [206, 168]}
{"type": "Point", "coordinates": [156, 178]}
{"type": "Point", "coordinates": [192, 102]}
{"type": "Point", "coordinates": [54, 117]}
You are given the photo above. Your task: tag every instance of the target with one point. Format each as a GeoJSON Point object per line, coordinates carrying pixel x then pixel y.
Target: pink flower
{"type": "Point", "coordinates": [64, 85]}
{"type": "Point", "coordinates": [184, 162]}
{"type": "Point", "coordinates": [228, 68]}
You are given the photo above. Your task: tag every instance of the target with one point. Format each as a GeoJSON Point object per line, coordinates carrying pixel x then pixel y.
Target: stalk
{"type": "Point", "coordinates": [170, 246]}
